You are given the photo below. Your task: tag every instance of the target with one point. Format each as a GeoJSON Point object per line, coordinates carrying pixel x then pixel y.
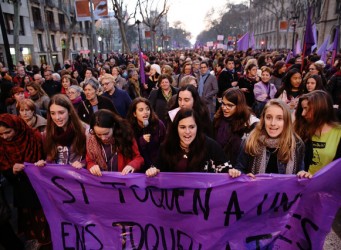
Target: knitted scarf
{"type": "Point", "coordinates": [259, 162]}
{"type": "Point", "coordinates": [96, 152]}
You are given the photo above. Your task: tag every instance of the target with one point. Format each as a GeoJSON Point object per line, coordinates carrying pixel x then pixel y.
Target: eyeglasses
{"type": "Point", "coordinates": [227, 105]}
{"type": "Point", "coordinates": [71, 93]}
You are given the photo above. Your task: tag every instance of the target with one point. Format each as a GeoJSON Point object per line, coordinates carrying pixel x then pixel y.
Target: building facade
{"type": "Point", "coordinates": [280, 24]}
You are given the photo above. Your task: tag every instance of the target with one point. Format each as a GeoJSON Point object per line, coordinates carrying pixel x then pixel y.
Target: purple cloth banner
{"type": "Point", "coordinates": [186, 210]}
{"type": "Point", "coordinates": [243, 42]}
{"type": "Point", "coordinates": [308, 36]}
{"type": "Point", "coordinates": [335, 45]}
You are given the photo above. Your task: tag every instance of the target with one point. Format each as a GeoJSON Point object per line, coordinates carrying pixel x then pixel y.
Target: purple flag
{"type": "Point", "coordinates": [308, 36]}
{"type": "Point", "coordinates": [335, 44]}
{"type": "Point", "coordinates": [289, 56]}
{"type": "Point", "coordinates": [186, 210]}
{"type": "Point", "coordinates": [142, 74]}
{"type": "Point", "coordinates": [243, 42]}
{"type": "Point", "coordinates": [315, 37]}
{"type": "Point", "coordinates": [253, 41]}
{"type": "Point", "coordinates": [322, 51]}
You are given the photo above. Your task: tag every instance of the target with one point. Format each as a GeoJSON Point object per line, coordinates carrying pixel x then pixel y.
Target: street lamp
{"type": "Point", "coordinates": [100, 44]}
{"type": "Point", "coordinates": [138, 22]}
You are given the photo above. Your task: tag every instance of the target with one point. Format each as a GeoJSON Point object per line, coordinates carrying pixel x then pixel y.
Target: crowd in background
{"type": "Point", "coordinates": [192, 111]}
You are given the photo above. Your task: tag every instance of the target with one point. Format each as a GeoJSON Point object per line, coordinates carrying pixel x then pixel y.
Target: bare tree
{"type": "Point", "coordinates": [151, 15]}
{"type": "Point", "coordinates": [275, 7]}
{"type": "Point", "coordinates": [123, 18]}
{"type": "Point", "coordinates": [42, 4]}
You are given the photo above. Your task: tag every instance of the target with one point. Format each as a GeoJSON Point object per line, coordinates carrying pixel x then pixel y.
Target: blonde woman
{"type": "Point", "coordinates": [273, 146]}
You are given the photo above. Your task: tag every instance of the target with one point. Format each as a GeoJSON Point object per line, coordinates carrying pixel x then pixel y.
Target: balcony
{"type": "Point", "coordinates": [53, 27]}
{"type": "Point", "coordinates": [63, 28]}
{"type": "Point", "coordinates": [38, 25]}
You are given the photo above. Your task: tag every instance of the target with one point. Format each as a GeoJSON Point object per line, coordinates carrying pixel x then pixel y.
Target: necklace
{"type": "Point", "coordinates": [185, 151]}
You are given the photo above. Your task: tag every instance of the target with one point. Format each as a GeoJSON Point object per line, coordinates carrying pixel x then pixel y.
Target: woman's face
{"type": "Point", "coordinates": [72, 94]}
{"type": "Point", "coordinates": [307, 114]}
{"type": "Point", "coordinates": [142, 113]}
{"type": "Point", "coordinates": [19, 96]}
{"type": "Point", "coordinates": [185, 99]}
{"type": "Point", "coordinates": [165, 84]}
{"type": "Point", "coordinates": [66, 83]}
{"type": "Point", "coordinates": [31, 90]}
{"type": "Point", "coordinates": [313, 70]}
{"type": "Point", "coordinates": [228, 108]}
{"type": "Point", "coordinates": [114, 72]}
{"type": "Point", "coordinates": [187, 130]}
{"type": "Point", "coordinates": [59, 115]}
{"type": "Point", "coordinates": [274, 121]}
{"type": "Point", "coordinates": [90, 92]}
{"type": "Point", "coordinates": [253, 71]}
{"type": "Point", "coordinates": [26, 113]}
{"type": "Point", "coordinates": [26, 79]}
{"type": "Point", "coordinates": [88, 74]}
{"type": "Point", "coordinates": [7, 133]}
{"type": "Point", "coordinates": [265, 76]}
{"type": "Point", "coordinates": [104, 134]}
{"type": "Point", "coordinates": [75, 74]}
{"type": "Point", "coordinates": [283, 69]}
{"type": "Point", "coordinates": [311, 84]}
{"type": "Point", "coordinates": [296, 80]}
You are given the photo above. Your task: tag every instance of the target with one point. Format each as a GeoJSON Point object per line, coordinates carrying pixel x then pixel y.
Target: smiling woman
{"type": "Point", "coordinates": [273, 147]}
{"type": "Point", "coordinates": [187, 149]}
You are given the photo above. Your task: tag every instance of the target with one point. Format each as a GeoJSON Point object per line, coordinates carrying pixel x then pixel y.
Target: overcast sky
{"type": "Point", "coordinates": [192, 13]}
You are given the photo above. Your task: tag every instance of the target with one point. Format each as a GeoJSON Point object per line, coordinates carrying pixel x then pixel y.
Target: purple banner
{"type": "Point", "coordinates": [186, 210]}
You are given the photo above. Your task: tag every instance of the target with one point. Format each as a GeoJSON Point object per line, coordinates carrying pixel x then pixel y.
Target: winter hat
{"type": "Point", "coordinates": [156, 67]}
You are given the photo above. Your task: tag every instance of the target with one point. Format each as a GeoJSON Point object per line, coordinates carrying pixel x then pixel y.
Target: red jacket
{"type": "Point", "coordinates": [136, 162]}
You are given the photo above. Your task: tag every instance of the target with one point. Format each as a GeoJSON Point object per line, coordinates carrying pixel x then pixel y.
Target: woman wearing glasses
{"type": "Point", "coordinates": [232, 122]}
{"type": "Point", "coordinates": [93, 101]}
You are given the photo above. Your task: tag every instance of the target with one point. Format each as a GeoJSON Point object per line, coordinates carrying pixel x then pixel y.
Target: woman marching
{"type": "Point", "coordinates": [149, 130]}
{"type": "Point", "coordinates": [65, 136]}
{"type": "Point", "coordinates": [111, 145]}
{"type": "Point", "coordinates": [187, 149]}
{"type": "Point", "coordinates": [273, 146]}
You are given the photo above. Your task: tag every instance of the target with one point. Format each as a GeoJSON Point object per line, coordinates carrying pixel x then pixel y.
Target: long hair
{"type": "Point", "coordinates": [171, 150]}
{"type": "Point", "coordinates": [122, 132]}
{"type": "Point", "coordinates": [318, 80]}
{"type": "Point", "coordinates": [322, 112]}
{"type": "Point", "coordinates": [78, 144]}
{"type": "Point", "coordinates": [241, 118]}
{"type": "Point", "coordinates": [287, 142]}
{"type": "Point", "coordinates": [36, 87]}
{"type": "Point", "coordinates": [286, 83]}
{"type": "Point", "coordinates": [153, 119]}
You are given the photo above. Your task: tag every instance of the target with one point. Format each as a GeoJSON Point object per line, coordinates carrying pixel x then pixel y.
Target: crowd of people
{"type": "Point", "coordinates": [191, 111]}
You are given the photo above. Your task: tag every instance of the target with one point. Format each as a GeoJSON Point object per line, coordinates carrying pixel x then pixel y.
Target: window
{"type": "Point", "coordinates": [38, 24]}
{"type": "Point", "coordinates": [9, 20]}
{"type": "Point", "coordinates": [73, 43]}
{"type": "Point", "coordinates": [81, 41]}
{"type": "Point", "coordinates": [50, 20]}
{"type": "Point", "coordinates": [61, 19]}
{"type": "Point", "coordinates": [54, 48]}
{"type": "Point", "coordinates": [40, 42]}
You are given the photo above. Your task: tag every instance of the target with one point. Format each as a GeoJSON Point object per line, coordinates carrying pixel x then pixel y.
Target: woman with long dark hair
{"type": "Point", "coordinates": [148, 129]}
{"type": "Point", "coordinates": [187, 149]}
{"type": "Point", "coordinates": [111, 145]}
{"type": "Point", "coordinates": [65, 135]}
{"type": "Point", "coordinates": [232, 122]}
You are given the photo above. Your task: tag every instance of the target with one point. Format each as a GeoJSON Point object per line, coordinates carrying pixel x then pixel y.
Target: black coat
{"type": "Point", "coordinates": [85, 110]}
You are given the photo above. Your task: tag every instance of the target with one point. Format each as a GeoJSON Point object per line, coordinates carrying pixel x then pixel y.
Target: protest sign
{"type": "Point", "coordinates": [186, 210]}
